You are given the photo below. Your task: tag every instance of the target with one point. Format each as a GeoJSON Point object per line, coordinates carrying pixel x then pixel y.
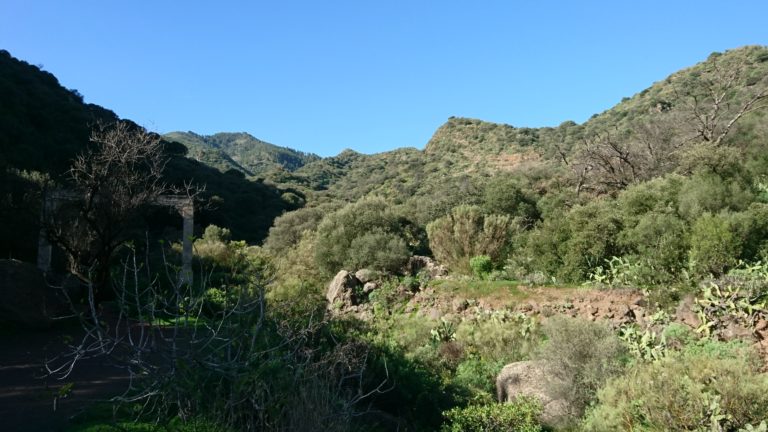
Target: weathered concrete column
{"type": "Point", "coordinates": [44, 252]}
{"type": "Point", "coordinates": [188, 214]}
{"type": "Point", "coordinates": [44, 247]}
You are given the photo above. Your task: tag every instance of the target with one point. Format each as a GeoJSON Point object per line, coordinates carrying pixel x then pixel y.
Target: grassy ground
{"type": "Point", "coordinates": [480, 288]}
{"type": "Point", "coordinates": [102, 418]}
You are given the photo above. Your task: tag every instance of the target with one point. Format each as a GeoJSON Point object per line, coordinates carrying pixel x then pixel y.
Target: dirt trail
{"type": "Point", "coordinates": [27, 399]}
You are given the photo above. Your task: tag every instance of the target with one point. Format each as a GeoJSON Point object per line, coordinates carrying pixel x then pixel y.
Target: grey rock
{"type": "Point", "coordinates": [529, 378]}
{"type": "Point", "coordinates": [369, 286]}
{"type": "Point", "coordinates": [366, 275]}
{"type": "Point", "coordinates": [341, 290]}
{"type": "Point", "coordinates": [417, 264]}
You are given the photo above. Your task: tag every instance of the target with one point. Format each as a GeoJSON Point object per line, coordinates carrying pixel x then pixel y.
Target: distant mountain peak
{"type": "Point", "coordinates": [241, 151]}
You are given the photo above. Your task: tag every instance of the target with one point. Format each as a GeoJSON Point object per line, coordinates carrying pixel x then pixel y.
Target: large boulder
{"type": "Point", "coordinates": [342, 291]}
{"type": "Point", "coordinates": [27, 298]}
{"type": "Point", "coordinates": [529, 378]}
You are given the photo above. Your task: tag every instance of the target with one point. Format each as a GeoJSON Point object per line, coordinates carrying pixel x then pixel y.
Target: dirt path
{"type": "Point", "coordinates": [27, 399]}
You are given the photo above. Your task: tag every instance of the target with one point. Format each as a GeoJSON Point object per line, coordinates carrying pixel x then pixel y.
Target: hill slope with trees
{"type": "Point", "coordinates": [44, 126]}
{"type": "Point", "coordinates": [240, 151]}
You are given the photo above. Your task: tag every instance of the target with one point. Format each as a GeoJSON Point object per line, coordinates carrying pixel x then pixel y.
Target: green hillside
{"type": "Point", "coordinates": [673, 126]}
{"type": "Point", "coordinates": [240, 151]}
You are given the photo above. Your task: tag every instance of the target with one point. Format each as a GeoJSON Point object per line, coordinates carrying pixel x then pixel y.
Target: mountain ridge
{"type": "Point", "coordinates": [241, 151]}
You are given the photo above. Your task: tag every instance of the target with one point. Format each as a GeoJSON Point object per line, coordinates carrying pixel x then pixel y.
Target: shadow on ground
{"type": "Point", "coordinates": [31, 402]}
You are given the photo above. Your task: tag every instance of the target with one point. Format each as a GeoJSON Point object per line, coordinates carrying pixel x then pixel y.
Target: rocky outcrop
{"type": "Point", "coordinates": [342, 291]}
{"type": "Point", "coordinates": [528, 378]}
{"type": "Point", "coordinates": [366, 275]}
{"type": "Point", "coordinates": [418, 264]}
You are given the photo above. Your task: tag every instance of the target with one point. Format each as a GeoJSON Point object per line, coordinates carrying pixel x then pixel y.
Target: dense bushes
{"type": "Point", "coordinates": [363, 234]}
{"type": "Point", "coordinates": [703, 388]}
{"type": "Point", "coordinates": [669, 228]}
{"type": "Point", "coordinates": [570, 247]}
{"type": "Point", "coordinates": [481, 266]}
{"type": "Point", "coordinates": [520, 416]}
{"type": "Point", "coordinates": [504, 195]}
{"type": "Point", "coordinates": [714, 247]}
{"type": "Point", "coordinates": [580, 356]}
{"type": "Point", "coordinates": [468, 232]}
{"type": "Point", "coordinates": [287, 229]}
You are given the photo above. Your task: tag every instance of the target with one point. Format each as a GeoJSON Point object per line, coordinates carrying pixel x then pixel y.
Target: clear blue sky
{"type": "Point", "coordinates": [322, 76]}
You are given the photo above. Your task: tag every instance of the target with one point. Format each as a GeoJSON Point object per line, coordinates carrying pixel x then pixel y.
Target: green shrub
{"type": "Point", "coordinates": [570, 247]}
{"type": "Point", "coordinates": [477, 377]}
{"type": "Point", "coordinates": [659, 242]}
{"type": "Point", "coordinates": [481, 266]}
{"type": "Point", "coordinates": [230, 266]}
{"type": "Point", "coordinates": [503, 195]}
{"type": "Point", "coordinates": [288, 229]}
{"type": "Point", "coordinates": [710, 193]}
{"type": "Point", "coordinates": [297, 275]}
{"type": "Point", "coordinates": [415, 394]}
{"type": "Point", "coordinates": [714, 247]}
{"type": "Point", "coordinates": [378, 250]}
{"type": "Point", "coordinates": [706, 388]}
{"type": "Point", "coordinates": [499, 339]}
{"type": "Point", "coordinates": [519, 416]}
{"type": "Point", "coordinates": [467, 232]}
{"type": "Point", "coordinates": [215, 301]}
{"type": "Point", "coordinates": [580, 356]}
{"type": "Point", "coordinates": [659, 195]}
{"type": "Point", "coordinates": [751, 229]}
{"type": "Point", "coordinates": [347, 238]}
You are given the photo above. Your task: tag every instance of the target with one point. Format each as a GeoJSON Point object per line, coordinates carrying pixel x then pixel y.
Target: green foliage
{"type": "Point", "coordinates": [500, 337]}
{"type": "Point", "coordinates": [659, 242]}
{"type": "Point", "coordinates": [518, 416]}
{"type": "Point", "coordinates": [233, 270]}
{"type": "Point", "coordinates": [646, 344]}
{"type": "Point", "coordinates": [762, 427]}
{"type": "Point", "coordinates": [718, 306]}
{"type": "Point", "coordinates": [365, 234]}
{"type": "Point", "coordinates": [750, 227]}
{"type": "Point", "coordinates": [580, 356]}
{"type": "Point", "coordinates": [478, 377]}
{"type": "Point", "coordinates": [297, 276]}
{"type": "Point", "coordinates": [288, 228]}
{"type": "Point", "coordinates": [504, 195]}
{"type": "Point", "coordinates": [710, 193]}
{"type": "Point", "coordinates": [570, 248]}
{"type": "Point", "coordinates": [215, 301]}
{"type": "Point", "coordinates": [444, 332]}
{"type": "Point", "coordinates": [416, 395]}
{"type": "Point", "coordinates": [378, 250]}
{"type": "Point", "coordinates": [467, 232]}
{"type": "Point", "coordinates": [687, 391]}
{"type": "Point", "coordinates": [714, 247]}
{"type": "Point", "coordinates": [481, 266]}
{"type": "Point", "coordinates": [617, 272]}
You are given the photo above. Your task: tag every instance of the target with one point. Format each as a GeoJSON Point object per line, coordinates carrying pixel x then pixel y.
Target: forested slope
{"type": "Point", "coordinates": [43, 126]}
{"type": "Point", "coordinates": [240, 151]}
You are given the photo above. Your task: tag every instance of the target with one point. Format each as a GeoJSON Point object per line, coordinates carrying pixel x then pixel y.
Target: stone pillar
{"type": "Point", "coordinates": [44, 248]}
{"type": "Point", "coordinates": [44, 251]}
{"type": "Point", "coordinates": [188, 213]}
